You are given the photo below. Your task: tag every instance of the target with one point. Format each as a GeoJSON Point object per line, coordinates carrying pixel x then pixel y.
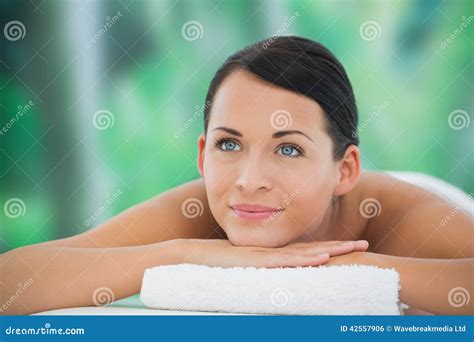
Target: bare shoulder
{"type": "Point", "coordinates": [182, 212]}
{"type": "Point", "coordinates": [361, 205]}
{"type": "Point", "coordinates": [189, 202]}
{"type": "Point", "coordinates": [406, 220]}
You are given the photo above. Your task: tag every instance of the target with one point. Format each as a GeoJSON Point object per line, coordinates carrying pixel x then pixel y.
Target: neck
{"type": "Point", "coordinates": [326, 230]}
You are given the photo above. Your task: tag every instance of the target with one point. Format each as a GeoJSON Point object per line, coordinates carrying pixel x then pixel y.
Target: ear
{"type": "Point", "coordinates": [201, 147]}
{"type": "Point", "coordinates": [348, 170]}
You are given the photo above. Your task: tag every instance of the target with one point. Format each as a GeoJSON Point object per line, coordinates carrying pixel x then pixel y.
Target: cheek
{"type": "Point", "coordinates": [310, 207]}
{"type": "Point", "coordinates": [217, 175]}
{"type": "Point", "coordinates": [214, 164]}
{"type": "Point", "coordinates": [312, 198]}
{"type": "Point", "coordinates": [219, 181]}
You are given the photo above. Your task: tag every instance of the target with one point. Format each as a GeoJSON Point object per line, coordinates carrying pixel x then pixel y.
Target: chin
{"type": "Point", "coordinates": [244, 240]}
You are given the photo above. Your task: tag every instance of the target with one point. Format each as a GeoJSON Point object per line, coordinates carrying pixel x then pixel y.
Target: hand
{"type": "Point", "coordinates": [354, 258]}
{"type": "Point", "coordinates": [221, 253]}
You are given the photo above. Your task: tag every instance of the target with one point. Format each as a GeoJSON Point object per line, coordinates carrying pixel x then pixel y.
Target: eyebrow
{"type": "Point", "coordinates": [275, 135]}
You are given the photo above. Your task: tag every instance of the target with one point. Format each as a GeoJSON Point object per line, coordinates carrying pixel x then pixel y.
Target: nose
{"type": "Point", "coordinates": [252, 175]}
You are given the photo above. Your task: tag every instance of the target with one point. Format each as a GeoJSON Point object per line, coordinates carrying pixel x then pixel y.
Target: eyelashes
{"type": "Point", "coordinates": [218, 144]}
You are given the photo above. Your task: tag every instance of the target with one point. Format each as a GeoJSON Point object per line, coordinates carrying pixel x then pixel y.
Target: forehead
{"type": "Point", "coordinates": [245, 102]}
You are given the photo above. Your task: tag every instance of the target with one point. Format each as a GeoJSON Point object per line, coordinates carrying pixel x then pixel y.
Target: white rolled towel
{"type": "Point", "coordinates": [320, 290]}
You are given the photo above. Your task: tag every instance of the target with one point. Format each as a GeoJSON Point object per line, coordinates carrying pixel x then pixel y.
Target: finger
{"type": "Point", "coordinates": [294, 260]}
{"type": "Point", "coordinates": [332, 250]}
{"type": "Point", "coordinates": [319, 247]}
{"type": "Point", "coordinates": [348, 247]}
{"type": "Point", "coordinates": [344, 248]}
{"type": "Point", "coordinates": [361, 245]}
{"type": "Point", "coordinates": [313, 243]}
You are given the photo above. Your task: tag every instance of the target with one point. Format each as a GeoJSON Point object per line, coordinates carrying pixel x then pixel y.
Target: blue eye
{"type": "Point", "coordinates": [290, 151]}
{"type": "Point", "coordinates": [227, 145]}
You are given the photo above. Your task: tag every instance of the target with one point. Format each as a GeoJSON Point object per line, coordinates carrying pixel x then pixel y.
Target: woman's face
{"type": "Point", "coordinates": [267, 162]}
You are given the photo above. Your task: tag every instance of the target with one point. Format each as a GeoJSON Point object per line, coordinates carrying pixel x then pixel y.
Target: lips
{"type": "Point", "coordinates": [254, 212]}
{"type": "Point", "coordinates": [256, 208]}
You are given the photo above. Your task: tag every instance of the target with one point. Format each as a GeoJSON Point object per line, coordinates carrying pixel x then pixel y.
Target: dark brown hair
{"type": "Point", "coordinates": [304, 67]}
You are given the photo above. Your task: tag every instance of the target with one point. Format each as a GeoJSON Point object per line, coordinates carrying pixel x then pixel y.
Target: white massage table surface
{"type": "Point", "coordinates": [128, 306]}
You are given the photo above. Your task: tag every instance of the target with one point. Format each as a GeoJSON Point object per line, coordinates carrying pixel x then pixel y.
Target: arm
{"type": "Point", "coordinates": [59, 277]}
{"type": "Point", "coordinates": [66, 272]}
{"type": "Point", "coordinates": [440, 286]}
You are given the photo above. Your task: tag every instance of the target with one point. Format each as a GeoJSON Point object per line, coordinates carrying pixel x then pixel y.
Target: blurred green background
{"type": "Point", "coordinates": [101, 102]}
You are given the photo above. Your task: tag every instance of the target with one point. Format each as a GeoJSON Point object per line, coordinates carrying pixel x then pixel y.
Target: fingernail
{"type": "Point", "coordinates": [348, 243]}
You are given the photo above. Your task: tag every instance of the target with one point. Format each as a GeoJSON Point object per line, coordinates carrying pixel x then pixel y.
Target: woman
{"type": "Point", "coordinates": [281, 186]}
